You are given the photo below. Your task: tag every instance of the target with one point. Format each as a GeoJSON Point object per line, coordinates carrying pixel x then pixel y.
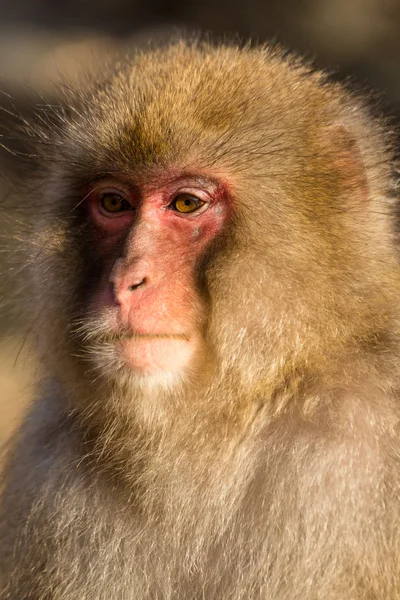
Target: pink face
{"type": "Point", "coordinates": [150, 290]}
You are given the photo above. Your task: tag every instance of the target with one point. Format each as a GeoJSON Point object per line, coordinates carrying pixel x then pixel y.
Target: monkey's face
{"type": "Point", "coordinates": [209, 212]}
{"type": "Point", "coordinates": [150, 240]}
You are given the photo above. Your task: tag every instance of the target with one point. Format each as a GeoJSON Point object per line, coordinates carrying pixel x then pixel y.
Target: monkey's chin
{"type": "Point", "coordinates": [152, 354]}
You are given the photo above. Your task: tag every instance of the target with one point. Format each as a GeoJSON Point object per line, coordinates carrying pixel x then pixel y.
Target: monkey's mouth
{"type": "Point", "coordinates": [149, 353]}
{"type": "Point", "coordinates": [129, 335]}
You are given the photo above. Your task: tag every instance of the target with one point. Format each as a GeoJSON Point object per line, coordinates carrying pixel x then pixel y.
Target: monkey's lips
{"type": "Point", "coordinates": [148, 353]}
{"type": "Point", "coordinates": [114, 337]}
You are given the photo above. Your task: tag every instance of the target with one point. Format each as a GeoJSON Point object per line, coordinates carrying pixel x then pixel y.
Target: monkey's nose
{"type": "Point", "coordinates": [128, 280]}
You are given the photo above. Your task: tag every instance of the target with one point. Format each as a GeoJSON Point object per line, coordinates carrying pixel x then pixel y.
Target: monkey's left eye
{"type": "Point", "coordinates": [111, 202]}
{"type": "Point", "coordinates": [186, 203]}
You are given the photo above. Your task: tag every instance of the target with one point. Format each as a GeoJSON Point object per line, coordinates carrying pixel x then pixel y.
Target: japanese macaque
{"type": "Point", "coordinates": [213, 279]}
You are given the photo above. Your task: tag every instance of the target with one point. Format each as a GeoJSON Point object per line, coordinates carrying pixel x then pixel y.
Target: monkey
{"type": "Point", "coordinates": [212, 279]}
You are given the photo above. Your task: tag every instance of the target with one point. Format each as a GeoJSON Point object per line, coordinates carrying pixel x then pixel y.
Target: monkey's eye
{"type": "Point", "coordinates": [186, 203]}
{"type": "Point", "coordinates": [111, 202]}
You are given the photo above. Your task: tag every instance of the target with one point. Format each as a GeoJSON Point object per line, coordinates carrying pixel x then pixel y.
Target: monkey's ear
{"type": "Point", "coordinates": [347, 162]}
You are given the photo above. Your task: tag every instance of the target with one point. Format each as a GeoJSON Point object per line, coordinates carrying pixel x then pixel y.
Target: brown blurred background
{"type": "Point", "coordinates": [42, 40]}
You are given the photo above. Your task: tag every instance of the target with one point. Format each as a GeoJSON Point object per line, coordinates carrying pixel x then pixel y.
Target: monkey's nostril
{"type": "Point", "coordinates": [136, 284]}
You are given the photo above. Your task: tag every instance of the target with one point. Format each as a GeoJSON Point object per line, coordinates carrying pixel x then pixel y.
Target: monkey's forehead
{"type": "Point", "coordinates": [213, 108]}
{"type": "Point", "coordinates": [167, 102]}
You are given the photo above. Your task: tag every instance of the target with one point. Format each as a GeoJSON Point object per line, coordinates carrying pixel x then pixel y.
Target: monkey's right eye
{"type": "Point", "coordinates": [111, 202]}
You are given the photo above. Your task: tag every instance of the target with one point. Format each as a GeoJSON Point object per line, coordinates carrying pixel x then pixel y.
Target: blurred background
{"type": "Point", "coordinates": [45, 40]}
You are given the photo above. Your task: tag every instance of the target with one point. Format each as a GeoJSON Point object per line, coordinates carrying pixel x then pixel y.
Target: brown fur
{"type": "Point", "coordinates": [270, 470]}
